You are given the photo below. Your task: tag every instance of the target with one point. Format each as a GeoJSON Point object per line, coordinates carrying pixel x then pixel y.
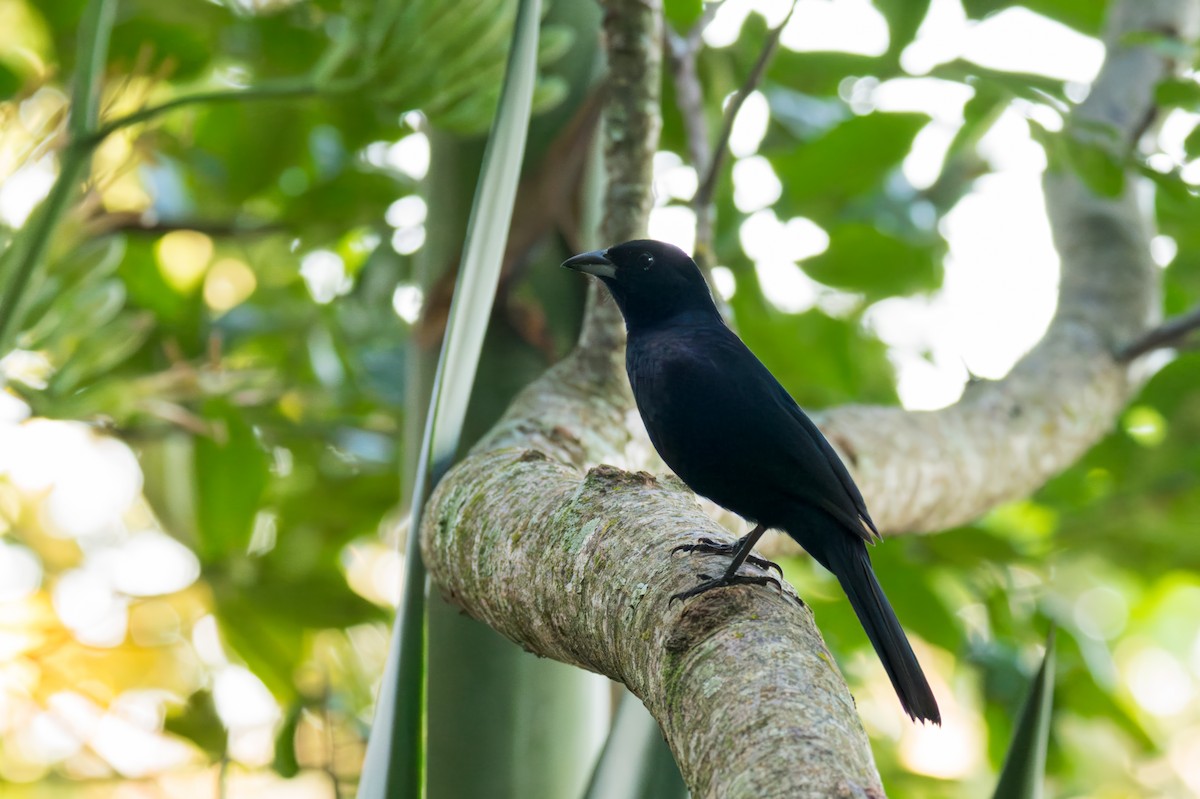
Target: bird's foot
{"type": "Point", "coordinates": [709, 546]}
{"type": "Point", "coordinates": [709, 583]}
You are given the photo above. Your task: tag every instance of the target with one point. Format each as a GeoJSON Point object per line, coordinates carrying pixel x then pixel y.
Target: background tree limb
{"type": "Point", "coordinates": [933, 470]}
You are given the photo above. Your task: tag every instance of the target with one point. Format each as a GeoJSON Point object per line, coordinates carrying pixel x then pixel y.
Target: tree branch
{"type": "Point", "coordinates": [281, 89]}
{"type": "Point", "coordinates": [577, 567]}
{"type": "Point", "coordinates": [142, 225]}
{"type": "Point", "coordinates": [747, 694]}
{"type": "Point", "coordinates": [1169, 333]}
{"type": "Point", "coordinates": [710, 169]}
{"type": "Point", "coordinates": [682, 50]}
{"type": "Point", "coordinates": [712, 173]}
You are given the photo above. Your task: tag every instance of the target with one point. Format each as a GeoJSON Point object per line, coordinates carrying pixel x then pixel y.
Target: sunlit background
{"type": "Point", "coordinates": [107, 630]}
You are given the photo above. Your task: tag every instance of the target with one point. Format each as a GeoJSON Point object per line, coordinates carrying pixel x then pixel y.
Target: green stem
{"type": "Point", "coordinates": [268, 91]}
{"type": "Point", "coordinates": [28, 249]}
{"type": "Point", "coordinates": [408, 746]}
{"type": "Point", "coordinates": [95, 28]}
{"type": "Point", "coordinates": [395, 757]}
{"type": "Point", "coordinates": [85, 137]}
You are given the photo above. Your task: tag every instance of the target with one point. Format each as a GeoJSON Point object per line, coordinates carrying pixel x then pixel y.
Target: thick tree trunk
{"type": "Point", "coordinates": [571, 559]}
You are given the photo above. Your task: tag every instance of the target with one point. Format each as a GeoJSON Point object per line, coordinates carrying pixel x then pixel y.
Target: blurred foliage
{"type": "Point", "coordinates": [233, 298]}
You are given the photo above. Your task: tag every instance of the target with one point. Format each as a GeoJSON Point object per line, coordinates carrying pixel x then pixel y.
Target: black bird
{"type": "Point", "coordinates": [726, 426]}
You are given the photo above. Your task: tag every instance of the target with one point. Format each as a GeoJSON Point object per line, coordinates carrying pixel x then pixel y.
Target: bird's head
{"type": "Point", "coordinates": [652, 281]}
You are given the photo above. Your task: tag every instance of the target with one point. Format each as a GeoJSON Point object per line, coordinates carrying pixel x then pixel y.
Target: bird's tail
{"type": "Point", "coordinates": [852, 566]}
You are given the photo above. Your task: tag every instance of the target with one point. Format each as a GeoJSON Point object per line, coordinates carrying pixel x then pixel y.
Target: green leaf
{"type": "Point", "coordinates": [821, 73]}
{"type": "Point", "coordinates": [23, 257]}
{"type": "Point", "coordinates": [394, 750]}
{"type": "Point", "coordinates": [1191, 144]}
{"type": "Point", "coordinates": [863, 258]}
{"type": "Point", "coordinates": [76, 295]}
{"type": "Point", "coordinates": [199, 723]}
{"type": "Point", "coordinates": [1024, 772]}
{"type": "Point", "coordinates": [147, 288]}
{"type": "Point", "coordinates": [178, 39]}
{"type": "Point", "coordinates": [1181, 92]}
{"type": "Point", "coordinates": [815, 73]}
{"type": "Point", "coordinates": [963, 162]}
{"type": "Point", "coordinates": [971, 547]}
{"type": "Point", "coordinates": [555, 42]}
{"type": "Point", "coordinates": [10, 82]}
{"type": "Point", "coordinates": [1085, 16]}
{"type": "Point", "coordinates": [231, 473]}
{"type": "Point", "coordinates": [1093, 151]}
{"type": "Point", "coordinates": [320, 599]}
{"type": "Point", "coordinates": [285, 763]}
{"type": "Point", "coordinates": [350, 199]}
{"type": "Point", "coordinates": [64, 14]}
{"type": "Point", "coordinates": [103, 350]}
{"type": "Point", "coordinates": [903, 18]}
{"type": "Point", "coordinates": [284, 45]}
{"type": "Point", "coordinates": [849, 159]}
{"type": "Point", "coordinates": [1033, 87]}
{"type": "Point", "coordinates": [1095, 164]}
{"type": "Point", "coordinates": [270, 649]}
{"type": "Point", "coordinates": [1079, 691]}
{"type": "Point", "coordinates": [265, 616]}
{"type": "Point", "coordinates": [979, 113]}
{"type": "Point", "coordinates": [182, 51]}
{"type": "Point", "coordinates": [682, 14]}
{"type": "Point", "coordinates": [241, 149]}
{"type": "Point", "coordinates": [1173, 192]}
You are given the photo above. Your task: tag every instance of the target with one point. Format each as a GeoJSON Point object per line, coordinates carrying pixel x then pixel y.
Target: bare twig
{"type": "Point", "coordinates": [268, 91]}
{"type": "Point", "coordinates": [682, 50]}
{"type": "Point", "coordinates": [704, 193]}
{"type": "Point", "coordinates": [1169, 333]}
{"type": "Point", "coordinates": [136, 224]}
{"type": "Point", "coordinates": [702, 201]}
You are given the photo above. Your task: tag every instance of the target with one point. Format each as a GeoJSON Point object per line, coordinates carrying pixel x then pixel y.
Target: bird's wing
{"type": "Point", "coordinates": [722, 421]}
{"type": "Point", "coordinates": [820, 477]}
{"type": "Point", "coordinates": [858, 519]}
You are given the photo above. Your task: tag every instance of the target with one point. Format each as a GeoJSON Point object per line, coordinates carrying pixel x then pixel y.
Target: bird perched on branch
{"type": "Point", "coordinates": [726, 426]}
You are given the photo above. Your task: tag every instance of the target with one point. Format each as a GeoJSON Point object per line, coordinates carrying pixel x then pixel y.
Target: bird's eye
{"type": "Point", "coordinates": [646, 260]}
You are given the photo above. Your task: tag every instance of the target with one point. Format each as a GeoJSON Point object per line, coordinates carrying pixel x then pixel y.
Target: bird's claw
{"type": "Point", "coordinates": [709, 583]}
{"type": "Point", "coordinates": [709, 546]}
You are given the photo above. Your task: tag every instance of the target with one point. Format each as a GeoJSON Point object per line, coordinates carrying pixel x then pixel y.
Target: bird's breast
{"type": "Point", "coordinates": [695, 423]}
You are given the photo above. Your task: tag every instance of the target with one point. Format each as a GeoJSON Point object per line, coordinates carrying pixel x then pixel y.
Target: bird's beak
{"type": "Point", "coordinates": [593, 263]}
